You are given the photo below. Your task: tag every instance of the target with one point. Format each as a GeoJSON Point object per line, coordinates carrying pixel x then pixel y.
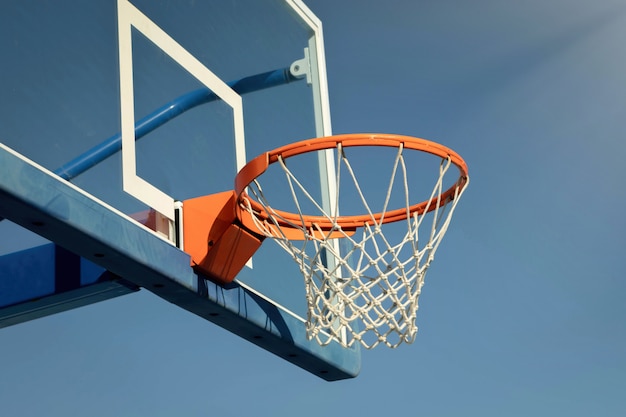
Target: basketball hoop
{"type": "Point", "coordinates": [362, 283]}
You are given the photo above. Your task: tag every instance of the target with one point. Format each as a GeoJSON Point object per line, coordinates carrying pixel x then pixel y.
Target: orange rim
{"type": "Point", "coordinates": [259, 165]}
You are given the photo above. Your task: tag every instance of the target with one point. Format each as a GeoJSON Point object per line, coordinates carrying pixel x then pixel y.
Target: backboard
{"type": "Point", "coordinates": [114, 109]}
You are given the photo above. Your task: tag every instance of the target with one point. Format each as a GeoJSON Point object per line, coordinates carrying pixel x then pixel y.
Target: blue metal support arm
{"type": "Point", "coordinates": [166, 113]}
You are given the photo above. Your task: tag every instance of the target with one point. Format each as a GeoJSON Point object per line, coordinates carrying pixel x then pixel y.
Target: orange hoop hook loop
{"type": "Point", "coordinates": [259, 165]}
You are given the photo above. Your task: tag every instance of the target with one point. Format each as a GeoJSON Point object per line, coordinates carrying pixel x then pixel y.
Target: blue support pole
{"type": "Point", "coordinates": [49, 279]}
{"type": "Point", "coordinates": [166, 113]}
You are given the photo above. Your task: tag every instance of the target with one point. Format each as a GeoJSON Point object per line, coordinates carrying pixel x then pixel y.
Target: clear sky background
{"type": "Point", "coordinates": [523, 311]}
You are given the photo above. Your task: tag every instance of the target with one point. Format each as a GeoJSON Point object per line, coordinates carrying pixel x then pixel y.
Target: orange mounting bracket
{"type": "Point", "coordinates": [218, 245]}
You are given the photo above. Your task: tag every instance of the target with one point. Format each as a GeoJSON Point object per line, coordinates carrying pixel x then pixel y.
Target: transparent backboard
{"type": "Point", "coordinates": [140, 104]}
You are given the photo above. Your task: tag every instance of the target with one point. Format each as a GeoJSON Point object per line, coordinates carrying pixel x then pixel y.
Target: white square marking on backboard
{"type": "Point", "coordinates": [129, 16]}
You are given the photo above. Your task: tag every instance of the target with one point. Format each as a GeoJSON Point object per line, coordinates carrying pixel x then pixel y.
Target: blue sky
{"type": "Point", "coordinates": [522, 312]}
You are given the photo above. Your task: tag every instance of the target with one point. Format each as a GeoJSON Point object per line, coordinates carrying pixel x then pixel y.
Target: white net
{"type": "Point", "coordinates": [361, 286]}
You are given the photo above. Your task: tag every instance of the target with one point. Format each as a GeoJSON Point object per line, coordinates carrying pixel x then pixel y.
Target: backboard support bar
{"type": "Point", "coordinates": [57, 210]}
